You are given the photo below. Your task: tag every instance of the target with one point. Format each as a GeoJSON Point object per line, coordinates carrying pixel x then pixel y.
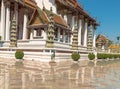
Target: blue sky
{"type": "Point", "coordinates": [107, 13]}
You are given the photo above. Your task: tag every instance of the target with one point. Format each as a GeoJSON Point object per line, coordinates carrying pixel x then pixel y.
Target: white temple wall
{"type": "Point", "coordinates": [40, 3]}
{"type": "Point", "coordinates": [20, 25]}
{"type": "Point", "coordinates": [2, 25]}
{"type": "Point", "coordinates": [69, 20]}
{"type": "Point", "coordinates": [47, 4]}
{"type": "Point", "coordinates": [0, 17]}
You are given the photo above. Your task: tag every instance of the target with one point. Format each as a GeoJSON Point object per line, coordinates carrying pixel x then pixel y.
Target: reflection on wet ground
{"type": "Point", "coordinates": [63, 75]}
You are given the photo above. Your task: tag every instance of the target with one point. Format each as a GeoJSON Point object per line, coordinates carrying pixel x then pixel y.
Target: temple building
{"type": "Point", "coordinates": [102, 42]}
{"type": "Point", "coordinates": [41, 27]}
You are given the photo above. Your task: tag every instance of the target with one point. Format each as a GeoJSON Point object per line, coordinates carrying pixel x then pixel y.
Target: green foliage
{"type": "Point", "coordinates": [0, 37]}
{"type": "Point", "coordinates": [110, 42]}
{"type": "Point", "coordinates": [75, 56]}
{"type": "Point", "coordinates": [105, 56]}
{"type": "Point", "coordinates": [91, 56]}
{"type": "Point", "coordinates": [110, 56]}
{"type": "Point", "coordinates": [116, 56]}
{"type": "Point", "coordinates": [99, 56]}
{"type": "Point", "coordinates": [19, 54]}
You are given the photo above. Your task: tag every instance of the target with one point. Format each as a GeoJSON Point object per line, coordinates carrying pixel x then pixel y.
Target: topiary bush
{"type": "Point", "coordinates": [19, 54]}
{"type": "Point", "coordinates": [91, 56]}
{"type": "Point", "coordinates": [75, 56]}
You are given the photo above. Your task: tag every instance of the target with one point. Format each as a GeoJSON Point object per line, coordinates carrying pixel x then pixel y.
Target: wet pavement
{"type": "Point", "coordinates": [63, 75]}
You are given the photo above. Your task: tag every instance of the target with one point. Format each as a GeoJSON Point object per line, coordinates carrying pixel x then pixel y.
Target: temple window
{"type": "Point", "coordinates": [39, 32]}
{"type": "Point", "coordinates": [61, 35]}
{"type": "Point", "coordinates": [56, 35]}
{"type": "Point", "coordinates": [66, 37]}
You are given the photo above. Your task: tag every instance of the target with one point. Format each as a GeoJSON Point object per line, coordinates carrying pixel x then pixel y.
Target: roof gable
{"type": "Point", "coordinates": [57, 19]}
{"type": "Point", "coordinates": [38, 18]}
{"type": "Point", "coordinates": [102, 38]}
{"type": "Point", "coordinates": [41, 17]}
{"type": "Point", "coordinates": [29, 3]}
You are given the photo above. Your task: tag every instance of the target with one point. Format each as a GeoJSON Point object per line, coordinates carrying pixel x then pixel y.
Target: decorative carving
{"type": "Point", "coordinates": [7, 3]}
{"type": "Point", "coordinates": [90, 23]}
{"type": "Point", "coordinates": [13, 34]}
{"type": "Point", "coordinates": [50, 32]}
{"type": "Point", "coordinates": [25, 10]}
{"type": "Point", "coordinates": [81, 16]}
{"type": "Point", "coordinates": [86, 20]}
{"type": "Point", "coordinates": [75, 38]}
{"type": "Point", "coordinates": [90, 40]}
{"type": "Point", "coordinates": [95, 27]}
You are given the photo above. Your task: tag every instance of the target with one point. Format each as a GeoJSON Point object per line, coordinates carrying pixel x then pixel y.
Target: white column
{"type": "Point", "coordinates": [58, 35]}
{"type": "Point", "coordinates": [43, 34]}
{"type": "Point", "coordinates": [94, 38]}
{"type": "Point", "coordinates": [16, 14]}
{"type": "Point", "coordinates": [7, 35]}
{"type": "Point", "coordinates": [79, 32]}
{"type": "Point", "coordinates": [25, 26]}
{"type": "Point", "coordinates": [0, 21]}
{"type": "Point", "coordinates": [68, 37]}
{"type": "Point", "coordinates": [35, 32]}
{"type": "Point", "coordinates": [65, 18]}
{"type": "Point", "coordinates": [85, 34]}
{"type": "Point", "coordinates": [31, 34]}
{"type": "Point", "coordinates": [72, 25]}
{"type": "Point", "coordinates": [2, 29]}
{"type": "Point", "coordinates": [91, 29]}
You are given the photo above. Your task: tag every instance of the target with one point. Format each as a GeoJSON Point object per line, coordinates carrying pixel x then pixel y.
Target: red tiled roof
{"type": "Point", "coordinates": [113, 47]}
{"type": "Point", "coordinates": [31, 3]}
{"type": "Point", "coordinates": [57, 19]}
{"type": "Point", "coordinates": [41, 17]}
{"type": "Point", "coordinates": [76, 5]}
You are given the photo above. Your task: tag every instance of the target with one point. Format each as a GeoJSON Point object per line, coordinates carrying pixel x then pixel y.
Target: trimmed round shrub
{"type": "Point", "coordinates": [75, 56]}
{"type": "Point", "coordinates": [19, 54]}
{"type": "Point", "coordinates": [91, 56]}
